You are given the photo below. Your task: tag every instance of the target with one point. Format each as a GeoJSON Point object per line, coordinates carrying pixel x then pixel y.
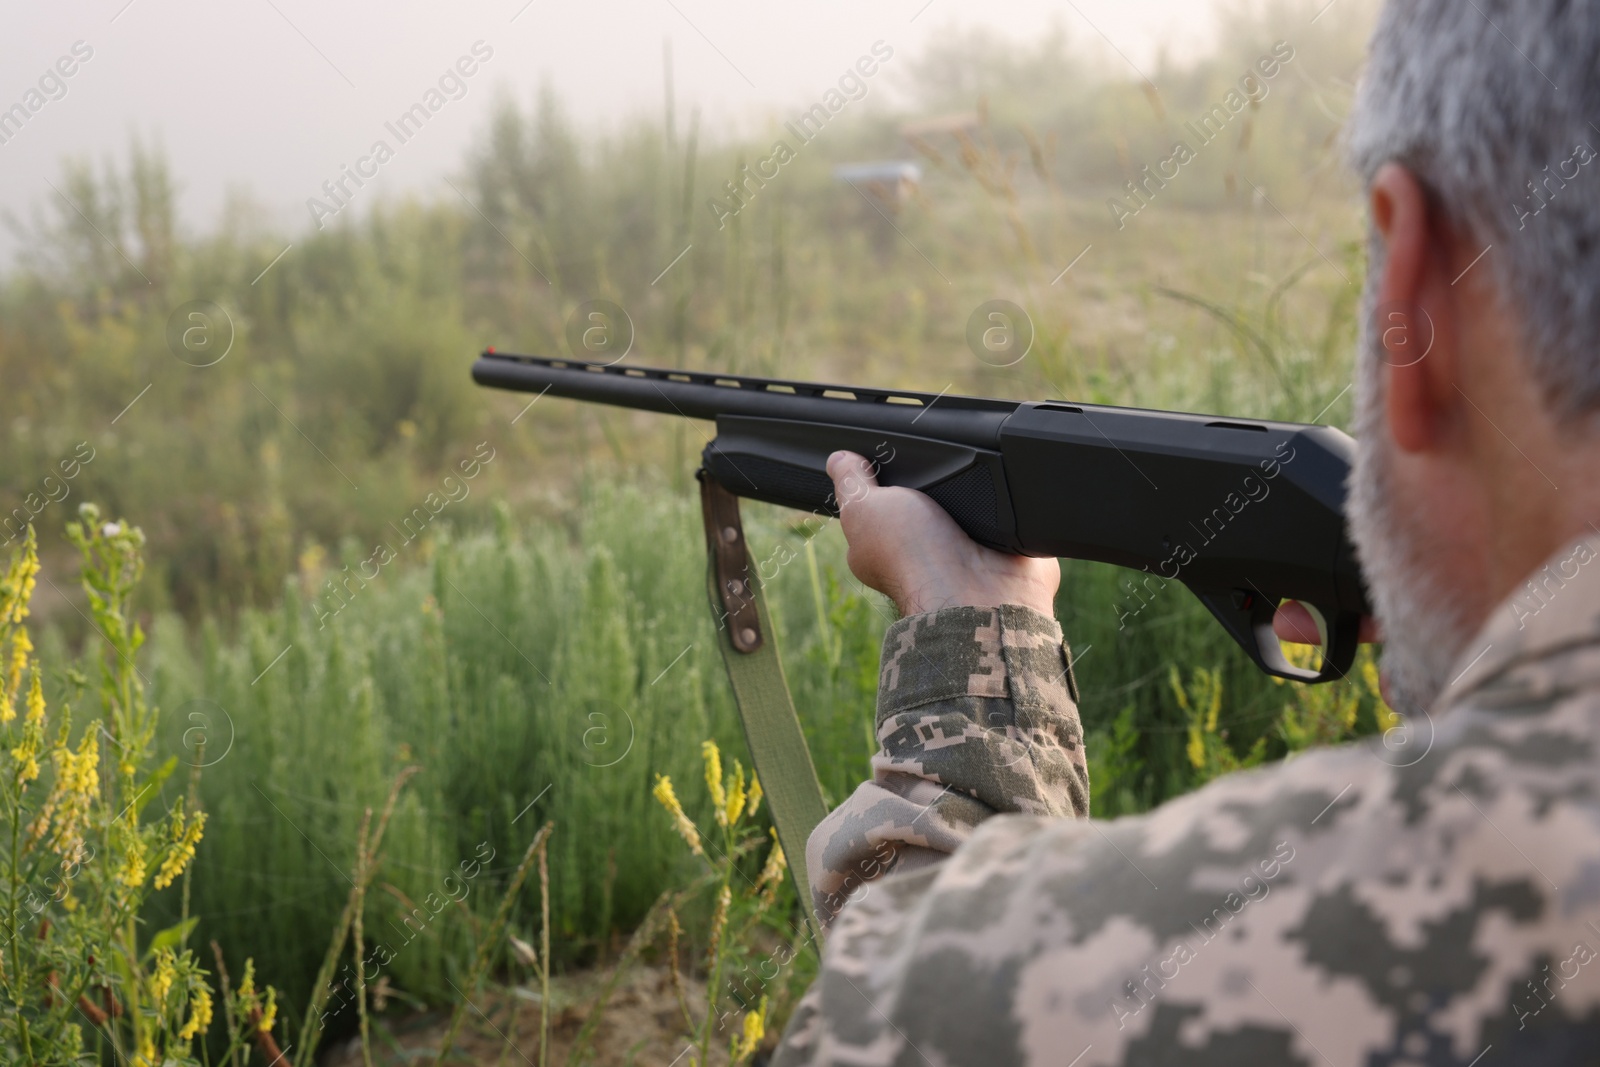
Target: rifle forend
{"type": "Point", "coordinates": [1245, 513]}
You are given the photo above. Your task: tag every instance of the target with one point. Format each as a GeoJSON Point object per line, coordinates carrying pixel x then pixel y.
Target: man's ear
{"type": "Point", "coordinates": [1415, 312]}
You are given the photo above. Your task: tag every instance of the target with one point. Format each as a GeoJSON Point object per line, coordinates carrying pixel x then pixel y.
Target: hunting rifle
{"type": "Point", "coordinates": [1245, 513]}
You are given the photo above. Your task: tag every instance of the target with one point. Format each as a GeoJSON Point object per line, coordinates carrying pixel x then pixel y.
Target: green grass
{"type": "Point", "coordinates": [517, 668]}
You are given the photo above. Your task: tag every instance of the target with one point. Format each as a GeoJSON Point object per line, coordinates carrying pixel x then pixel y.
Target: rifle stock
{"type": "Point", "coordinates": [1244, 513]}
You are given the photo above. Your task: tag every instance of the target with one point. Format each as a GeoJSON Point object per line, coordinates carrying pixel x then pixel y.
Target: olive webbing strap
{"type": "Point", "coordinates": [771, 728]}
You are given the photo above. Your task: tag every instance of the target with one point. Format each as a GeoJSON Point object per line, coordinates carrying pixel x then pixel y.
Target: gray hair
{"type": "Point", "coordinates": [1488, 104]}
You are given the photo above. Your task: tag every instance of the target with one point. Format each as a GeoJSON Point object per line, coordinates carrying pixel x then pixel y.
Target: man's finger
{"type": "Point", "coordinates": [1295, 623]}
{"type": "Point", "coordinates": [852, 475]}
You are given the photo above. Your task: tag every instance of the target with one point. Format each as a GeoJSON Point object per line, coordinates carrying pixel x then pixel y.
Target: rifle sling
{"type": "Point", "coordinates": [749, 651]}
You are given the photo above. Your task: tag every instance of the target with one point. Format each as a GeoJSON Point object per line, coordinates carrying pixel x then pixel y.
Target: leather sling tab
{"type": "Point", "coordinates": [771, 727]}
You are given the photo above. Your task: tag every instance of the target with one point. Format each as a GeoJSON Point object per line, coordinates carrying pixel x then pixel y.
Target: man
{"type": "Point", "coordinates": [1434, 905]}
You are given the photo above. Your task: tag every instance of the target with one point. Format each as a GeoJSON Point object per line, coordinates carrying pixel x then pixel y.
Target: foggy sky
{"type": "Point", "coordinates": [274, 96]}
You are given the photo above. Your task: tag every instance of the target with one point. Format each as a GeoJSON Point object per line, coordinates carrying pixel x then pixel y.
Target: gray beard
{"type": "Point", "coordinates": [1424, 624]}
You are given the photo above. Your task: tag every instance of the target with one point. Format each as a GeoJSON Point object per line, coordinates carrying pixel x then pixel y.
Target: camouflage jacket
{"type": "Point", "coordinates": [1430, 897]}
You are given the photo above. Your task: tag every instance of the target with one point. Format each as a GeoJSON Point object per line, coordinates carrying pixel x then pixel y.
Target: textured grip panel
{"type": "Point", "coordinates": [773, 481]}
{"type": "Point", "coordinates": [969, 496]}
{"type": "Point", "coordinates": [970, 499]}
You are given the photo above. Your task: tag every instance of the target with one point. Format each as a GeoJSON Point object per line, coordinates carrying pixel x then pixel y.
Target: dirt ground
{"type": "Point", "coordinates": [642, 1026]}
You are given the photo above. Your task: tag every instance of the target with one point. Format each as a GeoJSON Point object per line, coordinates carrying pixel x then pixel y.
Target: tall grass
{"type": "Point", "coordinates": [535, 675]}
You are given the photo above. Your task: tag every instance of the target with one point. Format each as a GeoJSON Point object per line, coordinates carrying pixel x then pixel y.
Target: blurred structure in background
{"type": "Point", "coordinates": [890, 184]}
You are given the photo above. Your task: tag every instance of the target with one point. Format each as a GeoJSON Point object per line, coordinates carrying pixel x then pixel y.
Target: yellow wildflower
{"type": "Point", "coordinates": [1202, 711]}
{"type": "Point", "coordinates": [77, 785]}
{"type": "Point", "coordinates": [199, 1014]}
{"type": "Point", "coordinates": [77, 781]}
{"type": "Point", "coordinates": [20, 647]}
{"type": "Point", "coordinates": [772, 871]}
{"type": "Point", "coordinates": [1369, 675]}
{"type": "Point", "coordinates": [26, 752]}
{"type": "Point", "coordinates": [1387, 717]}
{"type": "Point", "coordinates": [40, 823]}
{"type": "Point", "coordinates": [27, 765]}
{"type": "Point", "coordinates": [35, 703]}
{"type": "Point", "coordinates": [184, 839]}
{"type": "Point", "coordinates": [269, 1011]}
{"type": "Point", "coordinates": [755, 796]}
{"type": "Point", "coordinates": [147, 1051]}
{"type": "Point", "coordinates": [719, 799]}
{"type": "Point", "coordinates": [247, 984]}
{"type": "Point", "coordinates": [17, 587]}
{"type": "Point", "coordinates": [669, 800]}
{"type": "Point", "coordinates": [165, 973]}
{"type": "Point", "coordinates": [755, 1028]}
{"type": "Point", "coordinates": [133, 869]}
{"type": "Point", "coordinates": [312, 560]}
{"type": "Point", "coordinates": [735, 795]}
{"type": "Point", "coordinates": [1306, 657]}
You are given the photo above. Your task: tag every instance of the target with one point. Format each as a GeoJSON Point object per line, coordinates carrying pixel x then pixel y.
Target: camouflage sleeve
{"type": "Point", "coordinates": [976, 717]}
{"type": "Point", "coordinates": [1430, 896]}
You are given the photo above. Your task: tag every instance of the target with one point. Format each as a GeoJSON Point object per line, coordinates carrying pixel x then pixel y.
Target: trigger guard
{"type": "Point", "coordinates": [1247, 616]}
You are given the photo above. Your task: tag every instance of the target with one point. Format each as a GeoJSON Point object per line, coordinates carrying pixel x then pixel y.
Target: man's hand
{"type": "Point", "coordinates": [907, 547]}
